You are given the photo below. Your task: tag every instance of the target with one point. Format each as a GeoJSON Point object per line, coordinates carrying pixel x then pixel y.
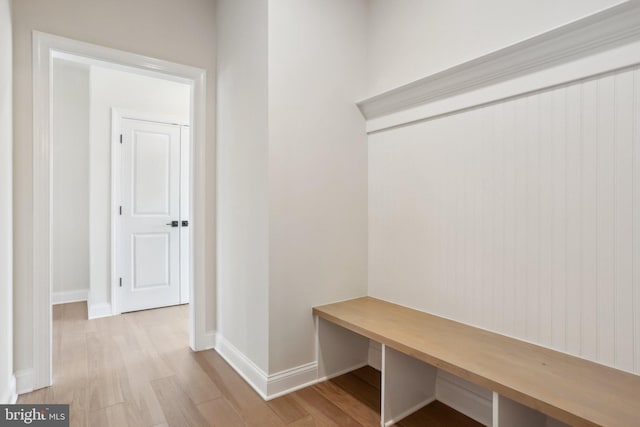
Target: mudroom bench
{"type": "Point", "coordinates": [532, 386]}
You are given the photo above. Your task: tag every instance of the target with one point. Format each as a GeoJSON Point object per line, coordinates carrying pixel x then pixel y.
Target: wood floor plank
{"type": "Point", "coordinates": [318, 418]}
{"type": "Point", "coordinates": [219, 413]}
{"type": "Point", "coordinates": [57, 311]}
{"type": "Point", "coordinates": [307, 421]}
{"type": "Point", "coordinates": [38, 396]}
{"type": "Point", "coordinates": [438, 414]}
{"type": "Point", "coordinates": [361, 390]}
{"type": "Point", "coordinates": [287, 409]}
{"type": "Point", "coordinates": [316, 403]}
{"type": "Point", "coordinates": [141, 369]}
{"type": "Point", "coordinates": [190, 376]}
{"type": "Point", "coordinates": [369, 375]}
{"type": "Point", "coordinates": [115, 415]}
{"type": "Point", "coordinates": [104, 379]}
{"type": "Point", "coordinates": [350, 404]}
{"type": "Point", "coordinates": [178, 409]}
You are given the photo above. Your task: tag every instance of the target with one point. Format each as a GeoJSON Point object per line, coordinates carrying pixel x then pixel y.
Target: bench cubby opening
{"type": "Point", "coordinates": [407, 385]}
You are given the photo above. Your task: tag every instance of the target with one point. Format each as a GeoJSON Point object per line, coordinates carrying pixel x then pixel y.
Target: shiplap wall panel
{"type": "Point", "coordinates": [624, 220]}
{"type": "Point", "coordinates": [559, 220]}
{"type": "Point", "coordinates": [546, 235]}
{"type": "Point", "coordinates": [521, 217]}
{"type": "Point", "coordinates": [589, 257]}
{"type": "Point", "coordinates": [636, 222]}
{"type": "Point", "coordinates": [574, 217]}
{"type": "Point", "coordinates": [606, 219]}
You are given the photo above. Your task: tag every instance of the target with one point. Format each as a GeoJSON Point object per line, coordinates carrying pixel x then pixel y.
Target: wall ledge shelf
{"type": "Point", "coordinates": [606, 30]}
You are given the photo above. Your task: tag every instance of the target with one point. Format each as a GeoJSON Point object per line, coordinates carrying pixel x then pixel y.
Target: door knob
{"type": "Point", "coordinates": [173, 223]}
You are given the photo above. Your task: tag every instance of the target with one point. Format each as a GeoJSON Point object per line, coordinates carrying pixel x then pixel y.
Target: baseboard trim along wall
{"type": "Point", "coordinates": [97, 311]}
{"type": "Point", "coordinates": [65, 297]}
{"type": "Point", "coordinates": [248, 370]}
{"type": "Point", "coordinates": [267, 386]}
{"type": "Point", "coordinates": [293, 379]}
{"type": "Point", "coordinates": [9, 395]}
{"type": "Point", "coordinates": [24, 381]}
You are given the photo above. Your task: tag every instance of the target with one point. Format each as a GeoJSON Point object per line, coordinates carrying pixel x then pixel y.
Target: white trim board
{"type": "Point", "coordinates": [605, 41]}
{"type": "Point", "coordinates": [267, 386]}
{"type": "Point", "coordinates": [290, 380]}
{"type": "Point", "coordinates": [9, 395]}
{"type": "Point", "coordinates": [96, 311]}
{"type": "Point", "coordinates": [44, 47]}
{"type": "Point", "coordinates": [248, 370]}
{"type": "Point", "coordinates": [24, 381]}
{"type": "Point", "coordinates": [65, 297]}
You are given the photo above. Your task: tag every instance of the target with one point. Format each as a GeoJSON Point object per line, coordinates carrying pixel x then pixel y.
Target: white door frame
{"type": "Point", "coordinates": [117, 115]}
{"type": "Point", "coordinates": [44, 47]}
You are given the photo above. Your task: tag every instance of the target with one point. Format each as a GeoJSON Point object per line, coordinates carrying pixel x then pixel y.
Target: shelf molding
{"type": "Point", "coordinates": [607, 29]}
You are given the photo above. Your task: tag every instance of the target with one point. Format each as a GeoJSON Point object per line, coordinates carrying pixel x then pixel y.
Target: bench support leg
{"type": "Point", "coordinates": [338, 350]}
{"type": "Point", "coordinates": [408, 384]}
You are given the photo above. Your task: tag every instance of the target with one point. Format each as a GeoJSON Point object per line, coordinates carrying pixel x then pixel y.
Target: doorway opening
{"type": "Point", "coordinates": [188, 179]}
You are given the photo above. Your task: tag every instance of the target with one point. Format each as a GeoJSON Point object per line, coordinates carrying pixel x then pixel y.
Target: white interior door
{"type": "Point", "coordinates": [150, 221]}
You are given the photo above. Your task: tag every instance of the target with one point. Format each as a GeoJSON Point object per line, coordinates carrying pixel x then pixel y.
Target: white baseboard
{"type": "Point", "coordinates": [65, 297]}
{"type": "Point", "coordinates": [24, 381]}
{"type": "Point", "coordinates": [267, 386]}
{"type": "Point", "coordinates": [99, 310]}
{"type": "Point", "coordinates": [291, 380]}
{"type": "Point", "coordinates": [470, 399]}
{"type": "Point", "coordinates": [248, 370]}
{"type": "Point", "coordinates": [9, 395]}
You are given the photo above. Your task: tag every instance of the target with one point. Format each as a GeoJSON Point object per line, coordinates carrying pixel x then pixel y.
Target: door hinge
{"type": "Point", "coordinates": [120, 210]}
{"type": "Point", "coordinates": [121, 282]}
{"type": "Point", "coordinates": [120, 138]}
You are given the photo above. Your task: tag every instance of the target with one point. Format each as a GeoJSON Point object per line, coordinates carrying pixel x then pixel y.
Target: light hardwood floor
{"type": "Point", "coordinates": [137, 370]}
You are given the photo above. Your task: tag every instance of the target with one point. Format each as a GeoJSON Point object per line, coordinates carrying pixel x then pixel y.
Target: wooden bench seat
{"type": "Point", "coordinates": [573, 390]}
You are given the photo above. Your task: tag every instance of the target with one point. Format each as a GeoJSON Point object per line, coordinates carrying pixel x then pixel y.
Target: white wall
{"type": "Point", "coordinates": [182, 32]}
{"type": "Point", "coordinates": [70, 177]}
{"type": "Point", "coordinates": [292, 176]}
{"type": "Point", "coordinates": [126, 92]}
{"type": "Point", "coordinates": [410, 39]}
{"type": "Point", "coordinates": [521, 217]}
{"type": "Point", "coordinates": [243, 199]}
{"type": "Point", "coordinates": [7, 382]}
{"type": "Point", "coordinates": [317, 167]}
